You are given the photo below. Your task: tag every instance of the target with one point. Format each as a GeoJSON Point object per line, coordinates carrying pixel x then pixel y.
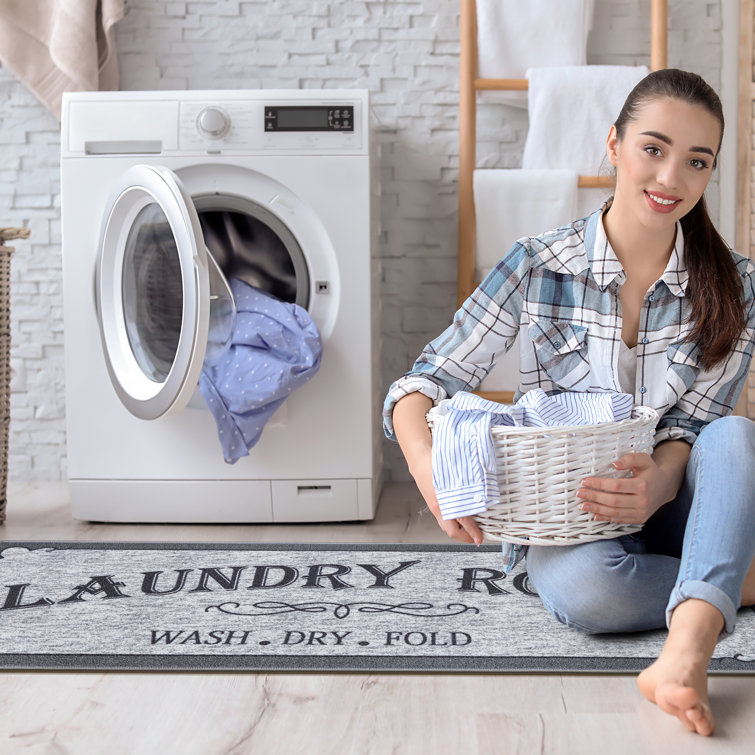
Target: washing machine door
{"type": "Point", "coordinates": [153, 292]}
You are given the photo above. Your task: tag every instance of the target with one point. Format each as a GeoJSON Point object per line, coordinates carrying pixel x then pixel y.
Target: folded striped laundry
{"type": "Point", "coordinates": [463, 454]}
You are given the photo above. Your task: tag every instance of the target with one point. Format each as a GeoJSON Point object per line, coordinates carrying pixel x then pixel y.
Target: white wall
{"type": "Point", "coordinates": [404, 51]}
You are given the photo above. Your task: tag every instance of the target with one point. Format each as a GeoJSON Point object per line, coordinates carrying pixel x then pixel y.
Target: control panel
{"type": "Point", "coordinates": [275, 122]}
{"type": "Point", "coordinates": [227, 126]}
{"type": "Point", "coordinates": [304, 118]}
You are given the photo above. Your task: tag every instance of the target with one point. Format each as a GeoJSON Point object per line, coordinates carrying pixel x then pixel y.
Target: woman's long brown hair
{"type": "Point", "coordinates": [715, 288]}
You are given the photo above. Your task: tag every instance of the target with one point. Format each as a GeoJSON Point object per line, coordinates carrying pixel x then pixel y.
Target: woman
{"type": "Point", "coordinates": [644, 297]}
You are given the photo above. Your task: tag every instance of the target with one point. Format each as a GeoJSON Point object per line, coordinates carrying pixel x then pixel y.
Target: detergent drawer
{"type": "Point", "coordinates": [315, 500]}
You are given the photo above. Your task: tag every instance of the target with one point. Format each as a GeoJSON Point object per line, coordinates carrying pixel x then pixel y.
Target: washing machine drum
{"type": "Point", "coordinates": [245, 247]}
{"type": "Point", "coordinates": [164, 305]}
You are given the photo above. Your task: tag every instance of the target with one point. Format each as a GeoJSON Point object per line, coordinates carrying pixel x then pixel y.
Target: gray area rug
{"type": "Point", "coordinates": [329, 607]}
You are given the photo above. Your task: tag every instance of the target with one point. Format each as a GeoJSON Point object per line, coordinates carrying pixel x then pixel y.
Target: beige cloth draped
{"type": "Point", "coordinates": [54, 46]}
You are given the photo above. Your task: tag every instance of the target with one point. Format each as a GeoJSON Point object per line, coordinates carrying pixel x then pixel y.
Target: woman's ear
{"type": "Point", "coordinates": [612, 146]}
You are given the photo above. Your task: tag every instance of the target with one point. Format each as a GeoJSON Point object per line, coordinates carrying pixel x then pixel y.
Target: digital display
{"type": "Point", "coordinates": [309, 118]}
{"type": "Point", "coordinates": [302, 117]}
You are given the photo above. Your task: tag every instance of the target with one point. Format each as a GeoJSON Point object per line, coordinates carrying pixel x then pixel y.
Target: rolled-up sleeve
{"type": "Point", "coordinates": [483, 328]}
{"type": "Point", "coordinates": [714, 393]}
{"type": "Point", "coordinates": [409, 383]}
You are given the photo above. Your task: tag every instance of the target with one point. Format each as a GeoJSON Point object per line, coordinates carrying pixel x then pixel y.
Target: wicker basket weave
{"type": "Point", "coordinates": [541, 469]}
{"type": "Point", "coordinates": [5, 256]}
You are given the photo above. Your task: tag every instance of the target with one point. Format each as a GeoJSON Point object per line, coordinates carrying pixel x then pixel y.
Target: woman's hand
{"type": "Point", "coordinates": [464, 528]}
{"type": "Point", "coordinates": [655, 481]}
{"type": "Point", "coordinates": [627, 500]}
{"type": "Point", "coordinates": [416, 443]}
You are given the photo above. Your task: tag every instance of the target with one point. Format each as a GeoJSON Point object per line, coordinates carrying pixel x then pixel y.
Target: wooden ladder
{"type": "Point", "coordinates": [469, 85]}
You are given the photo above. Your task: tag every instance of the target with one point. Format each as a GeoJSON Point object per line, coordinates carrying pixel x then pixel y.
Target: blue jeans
{"type": "Point", "coordinates": [700, 545]}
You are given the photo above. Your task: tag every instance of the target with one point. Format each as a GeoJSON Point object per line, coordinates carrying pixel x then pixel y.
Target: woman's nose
{"type": "Point", "coordinates": [668, 175]}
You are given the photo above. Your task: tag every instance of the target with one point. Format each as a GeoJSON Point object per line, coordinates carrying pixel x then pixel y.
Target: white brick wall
{"type": "Point", "coordinates": [404, 52]}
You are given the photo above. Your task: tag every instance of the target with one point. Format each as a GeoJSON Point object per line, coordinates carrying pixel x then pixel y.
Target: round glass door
{"type": "Point", "coordinates": [153, 292]}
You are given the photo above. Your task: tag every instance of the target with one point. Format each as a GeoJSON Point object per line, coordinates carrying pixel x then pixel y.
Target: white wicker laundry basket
{"type": "Point", "coordinates": [540, 470]}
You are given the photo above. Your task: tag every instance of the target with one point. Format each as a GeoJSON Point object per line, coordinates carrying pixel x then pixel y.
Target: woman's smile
{"type": "Point", "coordinates": [661, 202]}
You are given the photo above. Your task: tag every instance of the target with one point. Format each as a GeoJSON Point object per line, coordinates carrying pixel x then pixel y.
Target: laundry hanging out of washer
{"type": "Point", "coordinates": [260, 348]}
{"type": "Point", "coordinates": [275, 348]}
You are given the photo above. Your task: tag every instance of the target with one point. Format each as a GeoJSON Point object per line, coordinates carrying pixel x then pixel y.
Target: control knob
{"type": "Point", "coordinates": [213, 122]}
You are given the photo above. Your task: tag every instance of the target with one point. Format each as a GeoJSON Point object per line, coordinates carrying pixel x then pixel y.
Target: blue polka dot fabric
{"type": "Point", "coordinates": [275, 348]}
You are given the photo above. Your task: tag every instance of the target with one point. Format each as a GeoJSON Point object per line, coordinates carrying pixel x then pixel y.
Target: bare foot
{"type": "Point", "coordinates": [679, 687]}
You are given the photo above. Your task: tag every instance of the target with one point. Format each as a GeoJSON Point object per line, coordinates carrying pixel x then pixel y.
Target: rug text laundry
{"type": "Point", "coordinates": [334, 577]}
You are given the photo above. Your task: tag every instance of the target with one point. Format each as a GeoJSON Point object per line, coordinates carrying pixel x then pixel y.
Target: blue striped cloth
{"type": "Point", "coordinates": [464, 463]}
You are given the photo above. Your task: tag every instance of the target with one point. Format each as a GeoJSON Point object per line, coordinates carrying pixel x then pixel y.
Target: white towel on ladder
{"type": "Point", "coordinates": [511, 204]}
{"type": "Point", "coordinates": [514, 35]}
{"type": "Point", "coordinates": [571, 111]}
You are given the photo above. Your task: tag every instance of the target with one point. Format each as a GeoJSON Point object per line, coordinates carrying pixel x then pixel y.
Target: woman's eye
{"type": "Point", "coordinates": [699, 164]}
{"type": "Point", "coordinates": [652, 150]}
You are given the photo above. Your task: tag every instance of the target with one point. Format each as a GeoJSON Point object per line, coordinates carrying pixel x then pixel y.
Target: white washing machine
{"type": "Point", "coordinates": [274, 185]}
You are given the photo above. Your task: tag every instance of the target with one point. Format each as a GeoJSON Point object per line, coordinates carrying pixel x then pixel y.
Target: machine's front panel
{"type": "Point", "coordinates": [323, 428]}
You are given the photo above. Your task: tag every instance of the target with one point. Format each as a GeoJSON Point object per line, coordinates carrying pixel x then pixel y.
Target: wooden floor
{"type": "Point", "coordinates": [187, 713]}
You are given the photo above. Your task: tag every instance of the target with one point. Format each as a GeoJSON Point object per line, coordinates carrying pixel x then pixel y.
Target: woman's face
{"type": "Point", "coordinates": [664, 161]}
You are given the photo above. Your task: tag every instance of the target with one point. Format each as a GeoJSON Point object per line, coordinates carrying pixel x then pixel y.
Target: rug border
{"type": "Point", "coordinates": [345, 664]}
{"type": "Point", "coordinates": [239, 545]}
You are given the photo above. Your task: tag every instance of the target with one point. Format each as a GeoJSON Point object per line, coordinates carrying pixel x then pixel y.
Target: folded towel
{"type": "Point", "coordinates": [513, 36]}
{"type": "Point", "coordinates": [275, 348]}
{"type": "Point", "coordinates": [55, 46]}
{"type": "Point", "coordinates": [511, 204]}
{"type": "Point", "coordinates": [571, 111]}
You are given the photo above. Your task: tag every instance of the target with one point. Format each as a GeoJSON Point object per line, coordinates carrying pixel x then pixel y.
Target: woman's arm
{"type": "Point", "coordinates": [415, 440]}
{"type": "Point", "coordinates": [457, 360]}
{"type": "Point", "coordinates": [672, 456]}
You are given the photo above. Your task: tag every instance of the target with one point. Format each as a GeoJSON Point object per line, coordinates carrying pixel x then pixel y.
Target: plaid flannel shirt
{"type": "Point", "coordinates": [560, 292]}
